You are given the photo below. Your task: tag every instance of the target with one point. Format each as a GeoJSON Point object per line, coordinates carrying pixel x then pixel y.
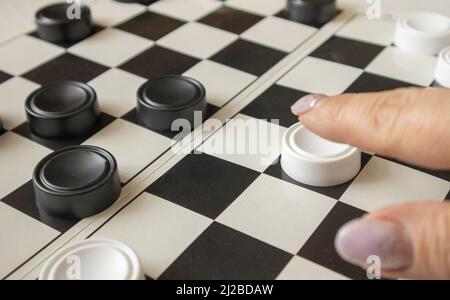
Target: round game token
{"type": "Point", "coordinates": [311, 11]}
{"type": "Point", "coordinates": [64, 22]}
{"type": "Point", "coordinates": [423, 33]}
{"type": "Point", "coordinates": [312, 160]}
{"type": "Point", "coordinates": [443, 68]}
{"type": "Point", "coordinates": [166, 99]}
{"type": "Point", "coordinates": [93, 259]}
{"type": "Point", "coordinates": [76, 182]}
{"type": "Point", "coordinates": [62, 109]}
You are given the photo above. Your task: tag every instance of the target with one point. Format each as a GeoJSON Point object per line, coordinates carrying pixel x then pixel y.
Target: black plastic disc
{"type": "Point", "coordinates": [165, 99]}
{"type": "Point", "coordinates": [76, 182]}
{"type": "Point", "coordinates": [312, 12]}
{"type": "Point", "coordinates": [64, 22]}
{"type": "Point", "coordinates": [62, 109]}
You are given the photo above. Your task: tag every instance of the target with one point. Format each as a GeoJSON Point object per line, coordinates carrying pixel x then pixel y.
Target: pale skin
{"type": "Point", "coordinates": [411, 125]}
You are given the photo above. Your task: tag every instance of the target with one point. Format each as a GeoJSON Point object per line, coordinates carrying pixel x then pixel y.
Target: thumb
{"type": "Point", "coordinates": [412, 240]}
{"type": "Point", "coordinates": [410, 124]}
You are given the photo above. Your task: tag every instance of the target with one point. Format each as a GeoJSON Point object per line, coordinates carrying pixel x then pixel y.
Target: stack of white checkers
{"type": "Point", "coordinates": [93, 259]}
{"type": "Point", "coordinates": [427, 34]}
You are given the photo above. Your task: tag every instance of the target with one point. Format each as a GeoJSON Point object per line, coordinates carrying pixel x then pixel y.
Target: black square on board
{"type": "Point", "coordinates": [158, 61]}
{"type": "Point", "coordinates": [348, 52]}
{"type": "Point", "coordinates": [224, 253]}
{"type": "Point", "coordinates": [274, 104]}
{"type": "Point", "coordinates": [230, 19]}
{"type": "Point", "coordinates": [66, 67]}
{"type": "Point", "coordinates": [23, 200]}
{"type": "Point", "coordinates": [4, 77]}
{"type": "Point", "coordinates": [368, 82]}
{"type": "Point", "coordinates": [249, 57]}
{"type": "Point", "coordinates": [320, 246]}
{"type": "Point", "coordinates": [150, 25]}
{"type": "Point", "coordinates": [203, 183]}
{"type": "Point", "coordinates": [334, 192]}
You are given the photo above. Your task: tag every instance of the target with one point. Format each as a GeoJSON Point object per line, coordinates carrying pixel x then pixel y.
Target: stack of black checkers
{"type": "Point", "coordinates": [313, 12]}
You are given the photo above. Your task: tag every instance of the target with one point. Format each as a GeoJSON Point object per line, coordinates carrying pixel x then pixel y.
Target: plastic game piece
{"type": "Point", "coordinates": [76, 182]}
{"type": "Point", "coordinates": [62, 109]}
{"type": "Point", "coordinates": [423, 33]}
{"type": "Point", "coordinates": [312, 160]}
{"type": "Point", "coordinates": [443, 68]}
{"type": "Point", "coordinates": [64, 22]}
{"type": "Point", "coordinates": [93, 259]}
{"type": "Point", "coordinates": [311, 11]}
{"type": "Point", "coordinates": [162, 100]}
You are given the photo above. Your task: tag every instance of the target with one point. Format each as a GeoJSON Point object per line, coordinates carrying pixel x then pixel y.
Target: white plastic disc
{"type": "Point", "coordinates": [93, 259]}
{"type": "Point", "coordinates": [423, 33]}
{"type": "Point", "coordinates": [442, 75]}
{"type": "Point", "coordinates": [312, 160]}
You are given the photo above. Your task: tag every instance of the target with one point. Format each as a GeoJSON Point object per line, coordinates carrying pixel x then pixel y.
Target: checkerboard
{"type": "Point", "coordinates": [208, 215]}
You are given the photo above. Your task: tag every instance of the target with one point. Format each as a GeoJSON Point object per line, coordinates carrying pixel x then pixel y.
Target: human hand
{"type": "Point", "coordinates": [411, 125]}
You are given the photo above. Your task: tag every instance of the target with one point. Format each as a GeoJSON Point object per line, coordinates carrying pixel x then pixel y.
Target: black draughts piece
{"type": "Point", "coordinates": [334, 192]}
{"type": "Point", "coordinates": [132, 117]}
{"type": "Point", "coordinates": [274, 104]}
{"type": "Point", "coordinates": [368, 82]}
{"type": "Point", "coordinates": [150, 25]}
{"type": "Point", "coordinates": [66, 67]}
{"type": "Point", "coordinates": [347, 52]}
{"type": "Point", "coordinates": [158, 61]}
{"type": "Point", "coordinates": [95, 29]}
{"type": "Point", "coordinates": [249, 57]}
{"type": "Point", "coordinates": [4, 76]}
{"type": "Point", "coordinates": [223, 253]}
{"type": "Point", "coordinates": [203, 183]}
{"type": "Point", "coordinates": [320, 246]}
{"type": "Point", "coordinates": [230, 19]}
{"type": "Point", "coordinates": [23, 200]}
{"type": "Point", "coordinates": [56, 144]}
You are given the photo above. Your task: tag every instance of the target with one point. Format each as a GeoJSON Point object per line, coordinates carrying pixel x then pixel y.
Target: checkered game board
{"type": "Point", "coordinates": [206, 216]}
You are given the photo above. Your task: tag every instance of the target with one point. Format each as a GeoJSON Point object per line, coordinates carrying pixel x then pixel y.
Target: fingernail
{"type": "Point", "coordinates": [360, 239]}
{"type": "Point", "coordinates": [307, 103]}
